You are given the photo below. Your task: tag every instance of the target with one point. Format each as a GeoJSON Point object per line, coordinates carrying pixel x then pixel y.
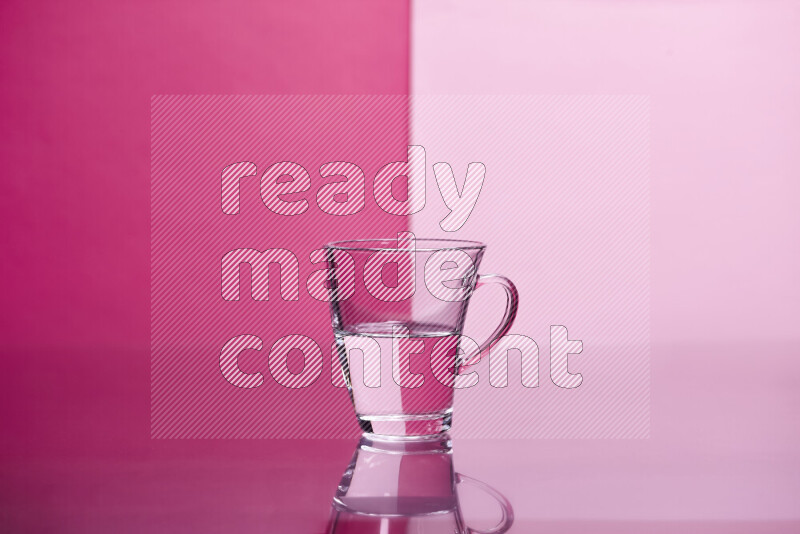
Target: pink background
{"type": "Point", "coordinates": [77, 81]}
{"type": "Point", "coordinates": [723, 81]}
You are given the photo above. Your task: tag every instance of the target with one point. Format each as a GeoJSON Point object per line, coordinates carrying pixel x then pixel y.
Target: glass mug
{"type": "Point", "coordinates": [406, 486]}
{"type": "Point", "coordinates": [404, 317]}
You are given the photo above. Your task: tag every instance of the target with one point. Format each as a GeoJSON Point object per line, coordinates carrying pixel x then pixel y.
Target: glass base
{"type": "Point", "coordinates": [406, 427]}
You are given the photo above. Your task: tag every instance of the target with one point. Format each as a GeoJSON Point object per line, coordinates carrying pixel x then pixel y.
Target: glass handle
{"type": "Point", "coordinates": [508, 512]}
{"type": "Point", "coordinates": [512, 302]}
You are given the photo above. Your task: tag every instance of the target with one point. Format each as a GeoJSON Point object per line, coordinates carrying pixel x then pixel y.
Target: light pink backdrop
{"type": "Point", "coordinates": [723, 81]}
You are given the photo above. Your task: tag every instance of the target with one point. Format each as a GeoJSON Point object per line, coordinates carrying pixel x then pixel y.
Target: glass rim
{"type": "Point", "coordinates": [447, 244]}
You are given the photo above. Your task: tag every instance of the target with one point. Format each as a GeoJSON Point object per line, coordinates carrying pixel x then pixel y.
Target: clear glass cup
{"type": "Point", "coordinates": [398, 308]}
{"type": "Point", "coordinates": [406, 486]}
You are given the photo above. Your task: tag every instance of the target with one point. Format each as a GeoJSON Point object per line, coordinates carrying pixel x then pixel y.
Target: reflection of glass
{"type": "Point", "coordinates": [406, 328]}
{"type": "Point", "coordinates": [404, 487]}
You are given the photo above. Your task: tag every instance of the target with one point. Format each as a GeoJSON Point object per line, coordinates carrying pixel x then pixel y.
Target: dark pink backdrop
{"type": "Point", "coordinates": [77, 80]}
